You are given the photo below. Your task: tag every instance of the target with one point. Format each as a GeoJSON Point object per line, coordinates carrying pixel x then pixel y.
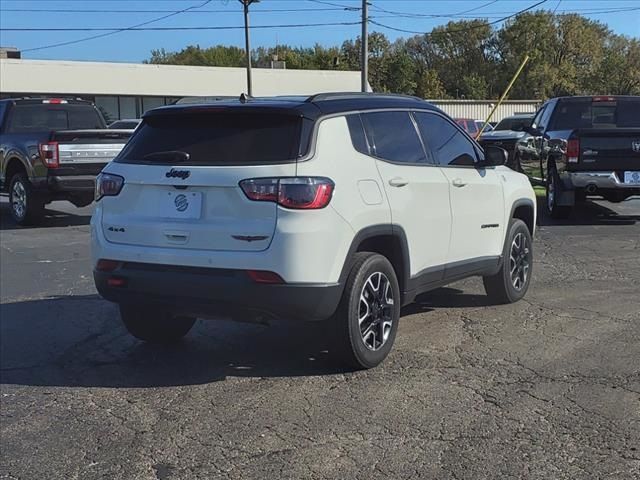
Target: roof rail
{"type": "Point", "coordinates": [352, 95]}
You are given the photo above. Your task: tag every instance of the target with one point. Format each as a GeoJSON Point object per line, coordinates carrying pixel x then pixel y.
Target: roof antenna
{"type": "Point", "coordinates": [244, 98]}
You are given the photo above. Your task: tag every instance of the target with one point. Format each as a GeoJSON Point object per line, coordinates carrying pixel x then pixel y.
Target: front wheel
{"type": "Point", "coordinates": [511, 283]}
{"type": "Point", "coordinates": [366, 321]}
{"type": "Point", "coordinates": [154, 325]}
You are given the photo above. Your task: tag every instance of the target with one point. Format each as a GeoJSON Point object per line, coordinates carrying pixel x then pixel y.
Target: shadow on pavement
{"type": "Point", "coordinates": [446, 297]}
{"type": "Point", "coordinates": [591, 213]}
{"type": "Point", "coordinates": [52, 218]}
{"type": "Point", "coordinates": [79, 341]}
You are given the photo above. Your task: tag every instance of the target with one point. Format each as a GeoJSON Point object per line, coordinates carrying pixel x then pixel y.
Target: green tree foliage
{"type": "Point", "coordinates": [569, 55]}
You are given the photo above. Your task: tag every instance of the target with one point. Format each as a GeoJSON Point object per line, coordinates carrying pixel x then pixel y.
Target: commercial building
{"type": "Point", "coordinates": [126, 90]}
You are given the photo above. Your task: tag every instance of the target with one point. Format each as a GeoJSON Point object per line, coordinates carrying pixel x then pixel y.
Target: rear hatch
{"type": "Point", "coordinates": [182, 170]}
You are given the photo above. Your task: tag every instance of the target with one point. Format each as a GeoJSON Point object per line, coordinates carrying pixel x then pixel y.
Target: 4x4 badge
{"type": "Point", "coordinates": [173, 173]}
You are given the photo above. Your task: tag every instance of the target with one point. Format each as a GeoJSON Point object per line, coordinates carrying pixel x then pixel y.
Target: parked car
{"type": "Point", "coordinates": [584, 146]}
{"type": "Point", "coordinates": [52, 149]}
{"type": "Point", "coordinates": [487, 126]}
{"type": "Point", "coordinates": [336, 207]}
{"type": "Point", "coordinates": [125, 124]}
{"type": "Point", "coordinates": [469, 125]}
{"type": "Point", "coordinates": [508, 134]}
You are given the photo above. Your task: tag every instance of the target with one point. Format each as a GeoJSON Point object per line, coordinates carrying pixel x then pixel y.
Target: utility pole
{"type": "Point", "coordinates": [247, 43]}
{"type": "Point", "coordinates": [364, 54]}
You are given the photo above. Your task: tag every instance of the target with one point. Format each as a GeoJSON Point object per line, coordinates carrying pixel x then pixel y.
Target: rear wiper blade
{"type": "Point", "coordinates": [168, 156]}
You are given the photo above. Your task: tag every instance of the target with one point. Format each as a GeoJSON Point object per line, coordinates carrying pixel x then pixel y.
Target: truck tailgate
{"type": "Point", "coordinates": [89, 146]}
{"type": "Point", "coordinates": [608, 149]}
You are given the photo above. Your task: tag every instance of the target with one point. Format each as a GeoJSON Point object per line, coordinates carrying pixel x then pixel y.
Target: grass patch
{"type": "Point", "coordinates": [540, 191]}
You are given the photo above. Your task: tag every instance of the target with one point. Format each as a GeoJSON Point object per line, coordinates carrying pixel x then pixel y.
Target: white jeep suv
{"type": "Point", "coordinates": [339, 207]}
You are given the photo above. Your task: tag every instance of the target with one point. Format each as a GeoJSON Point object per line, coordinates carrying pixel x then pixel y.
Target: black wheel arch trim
{"type": "Point", "coordinates": [380, 230]}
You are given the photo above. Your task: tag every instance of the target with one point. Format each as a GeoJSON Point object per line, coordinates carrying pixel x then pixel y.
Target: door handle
{"type": "Point", "coordinates": [398, 182]}
{"type": "Point", "coordinates": [457, 182]}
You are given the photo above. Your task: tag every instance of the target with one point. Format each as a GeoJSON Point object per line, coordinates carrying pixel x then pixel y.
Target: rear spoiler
{"type": "Point", "coordinates": [87, 136]}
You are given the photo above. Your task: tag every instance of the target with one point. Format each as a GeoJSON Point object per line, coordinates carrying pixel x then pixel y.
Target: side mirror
{"type": "Point", "coordinates": [494, 156]}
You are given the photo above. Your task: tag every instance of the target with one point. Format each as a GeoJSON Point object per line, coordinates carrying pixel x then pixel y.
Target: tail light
{"type": "Point", "coordinates": [108, 185]}
{"type": "Point", "coordinates": [50, 155]}
{"type": "Point", "coordinates": [298, 193]}
{"type": "Point", "coordinates": [573, 150]}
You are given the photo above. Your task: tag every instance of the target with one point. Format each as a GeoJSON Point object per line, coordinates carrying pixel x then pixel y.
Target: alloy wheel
{"type": "Point", "coordinates": [519, 261]}
{"type": "Point", "coordinates": [375, 311]}
{"type": "Point", "coordinates": [19, 200]}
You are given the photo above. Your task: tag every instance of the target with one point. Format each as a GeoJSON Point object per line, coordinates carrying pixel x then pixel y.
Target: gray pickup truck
{"type": "Point", "coordinates": [52, 149]}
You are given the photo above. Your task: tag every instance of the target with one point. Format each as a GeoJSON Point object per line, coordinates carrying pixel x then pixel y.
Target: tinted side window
{"type": "Point", "coordinates": [448, 144]}
{"type": "Point", "coordinates": [393, 137]}
{"type": "Point", "coordinates": [356, 130]}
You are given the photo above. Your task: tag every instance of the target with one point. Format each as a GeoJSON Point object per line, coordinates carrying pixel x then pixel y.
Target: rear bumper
{"type": "Point", "coordinates": [79, 183]}
{"type": "Point", "coordinates": [213, 292]}
{"type": "Point", "coordinates": [601, 180]}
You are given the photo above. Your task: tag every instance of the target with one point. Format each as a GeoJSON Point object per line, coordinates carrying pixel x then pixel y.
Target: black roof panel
{"type": "Point", "coordinates": [310, 107]}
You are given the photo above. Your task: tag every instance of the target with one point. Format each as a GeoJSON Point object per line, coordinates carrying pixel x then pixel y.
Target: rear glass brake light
{"type": "Point", "coordinates": [298, 193]}
{"type": "Point", "coordinates": [55, 101]}
{"type": "Point", "coordinates": [603, 99]}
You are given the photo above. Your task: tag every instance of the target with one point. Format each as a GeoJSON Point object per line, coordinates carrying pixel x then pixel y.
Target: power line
{"type": "Point", "coordinates": [466, 29]}
{"type": "Point", "coordinates": [166, 29]}
{"type": "Point", "coordinates": [93, 37]}
{"type": "Point", "coordinates": [331, 4]}
{"type": "Point", "coordinates": [71, 10]}
{"type": "Point", "coordinates": [411, 15]}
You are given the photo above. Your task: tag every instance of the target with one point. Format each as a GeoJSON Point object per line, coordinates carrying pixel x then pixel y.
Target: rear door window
{"type": "Point", "coordinates": [216, 138]}
{"type": "Point", "coordinates": [392, 136]}
{"type": "Point", "coordinates": [44, 117]}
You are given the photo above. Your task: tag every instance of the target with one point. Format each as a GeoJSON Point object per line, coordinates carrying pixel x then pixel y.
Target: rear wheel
{"type": "Point", "coordinates": [366, 321]}
{"type": "Point", "coordinates": [511, 283]}
{"type": "Point", "coordinates": [554, 189]}
{"type": "Point", "coordinates": [153, 324]}
{"type": "Point", "coordinates": [26, 207]}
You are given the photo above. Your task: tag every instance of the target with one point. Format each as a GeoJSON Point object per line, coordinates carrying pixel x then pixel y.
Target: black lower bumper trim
{"type": "Point", "coordinates": [213, 292]}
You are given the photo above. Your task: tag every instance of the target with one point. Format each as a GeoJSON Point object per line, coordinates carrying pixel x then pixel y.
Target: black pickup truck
{"type": "Point", "coordinates": [52, 149]}
{"type": "Point", "coordinates": [582, 146]}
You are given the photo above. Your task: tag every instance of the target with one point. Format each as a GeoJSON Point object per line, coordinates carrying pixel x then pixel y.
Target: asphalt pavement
{"type": "Point", "coordinates": [547, 388]}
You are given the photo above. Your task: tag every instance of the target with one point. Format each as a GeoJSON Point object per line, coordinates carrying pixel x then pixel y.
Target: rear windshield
{"type": "Point", "coordinates": [44, 117]}
{"type": "Point", "coordinates": [215, 139]}
{"type": "Point", "coordinates": [585, 113]}
{"type": "Point", "coordinates": [514, 123]}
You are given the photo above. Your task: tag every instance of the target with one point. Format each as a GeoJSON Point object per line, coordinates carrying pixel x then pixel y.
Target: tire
{"type": "Point", "coordinates": [153, 324]}
{"type": "Point", "coordinates": [26, 208]}
{"type": "Point", "coordinates": [505, 287]}
{"type": "Point", "coordinates": [372, 286]}
{"type": "Point", "coordinates": [553, 186]}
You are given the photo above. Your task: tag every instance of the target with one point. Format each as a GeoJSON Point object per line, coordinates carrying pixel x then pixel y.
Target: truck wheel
{"type": "Point", "coordinates": [366, 320]}
{"type": "Point", "coordinates": [511, 283]}
{"type": "Point", "coordinates": [26, 207]}
{"type": "Point", "coordinates": [554, 189]}
{"type": "Point", "coordinates": [153, 324]}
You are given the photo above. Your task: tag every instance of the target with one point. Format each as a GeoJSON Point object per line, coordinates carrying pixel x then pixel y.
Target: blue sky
{"type": "Point", "coordinates": [136, 46]}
